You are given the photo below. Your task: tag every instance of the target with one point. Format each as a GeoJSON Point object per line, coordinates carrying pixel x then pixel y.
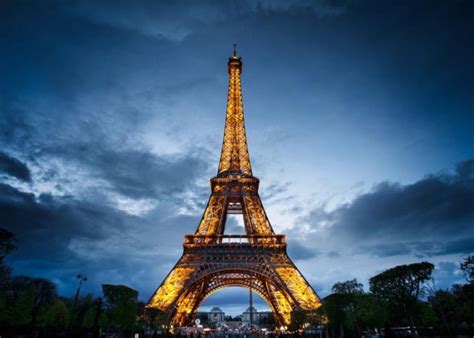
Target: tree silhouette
{"type": "Point", "coordinates": [121, 305]}
{"type": "Point", "coordinates": [467, 266]}
{"type": "Point", "coordinates": [402, 285]}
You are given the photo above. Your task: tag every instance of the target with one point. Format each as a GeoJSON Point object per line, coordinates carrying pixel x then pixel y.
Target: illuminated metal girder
{"type": "Point", "coordinates": [211, 260]}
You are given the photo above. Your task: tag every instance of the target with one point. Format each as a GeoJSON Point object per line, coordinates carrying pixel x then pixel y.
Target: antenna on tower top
{"type": "Point", "coordinates": [235, 49]}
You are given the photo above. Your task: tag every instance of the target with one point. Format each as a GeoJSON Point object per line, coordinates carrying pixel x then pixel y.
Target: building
{"type": "Point", "coordinates": [216, 315]}
{"type": "Point", "coordinates": [257, 316]}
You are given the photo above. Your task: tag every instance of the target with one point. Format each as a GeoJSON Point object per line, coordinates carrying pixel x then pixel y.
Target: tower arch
{"type": "Point", "coordinates": [196, 293]}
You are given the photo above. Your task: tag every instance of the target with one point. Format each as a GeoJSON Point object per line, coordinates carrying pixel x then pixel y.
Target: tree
{"type": "Point", "coordinates": [334, 309]}
{"type": "Point", "coordinates": [121, 307]}
{"type": "Point", "coordinates": [445, 307]}
{"type": "Point", "coordinates": [155, 318]}
{"type": "Point", "coordinates": [45, 292]}
{"type": "Point", "coordinates": [56, 316]}
{"type": "Point", "coordinates": [298, 319]}
{"type": "Point", "coordinates": [7, 245]}
{"type": "Point", "coordinates": [348, 298]}
{"type": "Point", "coordinates": [268, 322]}
{"type": "Point", "coordinates": [28, 298]}
{"type": "Point", "coordinates": [350, 287]}
{"type": "Point", "coordinates": [464, 296]}
{"type": "Point", "coordinates": [467, 266]}
{"type": "Point", "coordinates": [90, 319]}
{"type": "Point", "coordinates": [371, 313]}
{"type": "Point", "coordinates": [402, 286]}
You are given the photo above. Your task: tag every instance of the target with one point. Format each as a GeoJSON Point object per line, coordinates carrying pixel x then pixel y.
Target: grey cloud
{"type": "Point", "coordinates": [176, 21]}
{"type": "Point", "coordinates": [297, 251]}
{"type": "Point", "coordinates": [431, 217]}
{"type": "Point", "coordinates": [465, 169]}
{"type": "Point", "coordinates": [274, 191]}
{"type": "Point", "coordinates": [15, 131]}
{"type": "Point", "coordinates": [173, 21]}
{"type": "Point", "coordinates": [422, 249]}
{"type": "Point", "coordinates": [51, 223]}
{"type": "Point", "coordinates": [60, 236]}
{"type": "Point", "coordinates": [136, 173]}
{"type": "Point", "coordinates": [388, 249]}
{"type": "Point", "coordinates": [14, 167]}
{"type": "Point", "coordinates": [464, 246]}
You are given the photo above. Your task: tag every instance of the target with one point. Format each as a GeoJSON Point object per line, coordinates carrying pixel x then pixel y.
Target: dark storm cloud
{"type": "Point", "coordinates": [136, 173]}
{"type": "Point", "coordinates": [298, 251]}
{"type": "Point", "coordinates": [177, 20]}
{"type": "Point", "coordinates": [60, 236]}
{"type": "Point", "coordinates": [45, 226]}
{"type": "Point", "coordinates": [431, 217]}
{"type": "Point", "coordinates": [422, 248]}
{"type": "Point", "coordinates": [14, 167]}
{"type": "Point", "coordinates": [465, 169]}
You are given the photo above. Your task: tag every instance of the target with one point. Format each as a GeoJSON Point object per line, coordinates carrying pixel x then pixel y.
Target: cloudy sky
{"type": "Point", "coordinates": [360, 120]}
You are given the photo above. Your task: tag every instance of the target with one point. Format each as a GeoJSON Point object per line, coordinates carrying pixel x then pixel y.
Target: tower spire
{"type": "Point", "coordinates": [235, 159]}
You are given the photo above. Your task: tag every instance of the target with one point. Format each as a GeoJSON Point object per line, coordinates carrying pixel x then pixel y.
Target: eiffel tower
{"type": "Point", "coordinates": [212, 260]}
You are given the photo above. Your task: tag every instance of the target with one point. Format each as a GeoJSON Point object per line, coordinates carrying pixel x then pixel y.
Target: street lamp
{"type": "Point", "coordinates": [82, 278]}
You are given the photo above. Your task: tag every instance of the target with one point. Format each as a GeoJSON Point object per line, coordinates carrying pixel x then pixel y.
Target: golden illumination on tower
{"type": "Point", "coordinates": [171, 287]}
{"type": "Point", "coordinates": [211, 260]}
{"type": "Point", "coordinates": [235, 154]}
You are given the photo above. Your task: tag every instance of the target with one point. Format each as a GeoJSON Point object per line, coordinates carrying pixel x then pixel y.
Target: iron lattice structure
{"type": "Point", "coordinates": [211, 260]}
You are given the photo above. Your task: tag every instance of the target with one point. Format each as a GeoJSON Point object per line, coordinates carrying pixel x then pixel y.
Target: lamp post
{"type": "Point", "coordinates": [250, 307]}
{"type": "Point", "coordinates": [82, 278]}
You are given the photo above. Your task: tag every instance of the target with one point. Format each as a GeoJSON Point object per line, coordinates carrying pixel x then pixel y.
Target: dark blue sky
{"type": "Point", "coordinates": [360, 119]}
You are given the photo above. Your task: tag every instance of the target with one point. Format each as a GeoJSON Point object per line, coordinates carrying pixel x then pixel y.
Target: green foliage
{"type": "Point", "coordinates": [29, 297]}
{"type": "Point", "coordinates": [155, 318]}
{"type": "Point", "coordinates": [268, 322]}
{"type": "Point", "coordinates": [349, 310]}
{"type": "Point", "coordinates": [7, 243]}
{"type": "Point", "coordinates": [89, 318]}
{"type": "Point", "coordinates": [20, 312]}
{"type": "Point", "coordinates": [453, 309]}
{"type": "Point", "coordinates": [302, 319]}
{"type": "Point", "coordinates": [121, 305]}
{"type": "Point", "coordinates": [445, 307]}
{"type": "Point", "coordinates": [350, 287]}
{"type": "Point", "coordinates": [104, 320]}
{"type": "Point", "coordinates": [402, 284]}
{"type": "Point", "coordinates": [370, 312]}
{"type": "Point", "coordinates": [56, 316]}
{"type": "Point", "coordinates": [467, 267]}
{"type": "Point", "coordinates": [298, 319]}
{"type": "Point", "coordinates": [86, 312]}
{"type": "Point", "coordinates": [464, 295]}
{"type": "Point", "coordinates": [426, 314]}
{"type": "Point", "coordinates": [334, 307]}
{"type": "Point", "coordinates": [350, 307]}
